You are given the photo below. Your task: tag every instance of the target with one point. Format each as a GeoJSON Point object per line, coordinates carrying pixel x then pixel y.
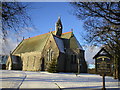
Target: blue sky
{"type": "Point", "coordinates": [45, 14]}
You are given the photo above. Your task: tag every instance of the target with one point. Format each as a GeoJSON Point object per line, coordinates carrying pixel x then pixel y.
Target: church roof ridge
{"type": "Point", "coordinates": [46, 33]}
{"type": "Point", "coordinates": [36, 36]}
{"type": "Point", "coordinates": [66, 32]}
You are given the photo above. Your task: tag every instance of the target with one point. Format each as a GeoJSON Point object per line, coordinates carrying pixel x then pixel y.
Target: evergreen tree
{"type": "Point", "coordinates": [52, 66]}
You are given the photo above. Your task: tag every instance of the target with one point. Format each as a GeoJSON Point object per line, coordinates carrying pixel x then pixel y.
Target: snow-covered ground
{"type": "Point", "coordinates": [10, 79]}
{"type": "Point", "coordinates": [64, 81]}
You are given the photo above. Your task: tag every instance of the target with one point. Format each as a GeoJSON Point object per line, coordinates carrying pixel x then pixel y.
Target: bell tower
{"type": "Point", "coordinates": [58, 27]}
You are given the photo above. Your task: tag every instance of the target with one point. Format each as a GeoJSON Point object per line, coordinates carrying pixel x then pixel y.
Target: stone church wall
{"type": "Point", "coordinates": [61, 62]}
{"type": "Point", "coordinates": [52, 50]}
{"type": "Point", "coordinates": [31, 61]}
{"type": "Point", "coordinates": [72, 63]}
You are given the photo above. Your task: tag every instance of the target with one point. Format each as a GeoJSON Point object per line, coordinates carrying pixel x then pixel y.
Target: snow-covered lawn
{"type": "Point", "coordinates": [25, 79]}
{"type": "Point", "coordinates": [10, 79]}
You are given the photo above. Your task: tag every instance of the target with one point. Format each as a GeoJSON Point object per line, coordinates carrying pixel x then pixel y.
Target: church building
{"type": "Point", "coordinates": [37, 53]}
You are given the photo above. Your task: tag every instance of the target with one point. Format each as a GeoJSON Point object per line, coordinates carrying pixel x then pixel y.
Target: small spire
{"type": "Point", "coordinates": [59, 20]}
{"type": "Point", "coordinates": [58, 27]}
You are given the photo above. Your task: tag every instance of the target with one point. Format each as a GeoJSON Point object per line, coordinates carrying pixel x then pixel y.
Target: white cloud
{"type": "Point", "coordinates": [5, 48]}
{"type": "Point", "coordinates": [13, 39]}
{"type": "Point", "coordinates": [28, 29]}
{"type": "Point", "coordinates": [90, 52]}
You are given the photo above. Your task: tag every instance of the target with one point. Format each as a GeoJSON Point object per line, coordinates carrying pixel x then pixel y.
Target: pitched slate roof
{"type": "Point", "coordinates": [73, 41]}
{"type": "Point", "coordinates": [37, 43]}
{"type": "Point", "coordinates": [74, 44]}
{"type": "Point", "coordinates": [67, 35]}
{"type": "Point", "coordinates": [60, 44]}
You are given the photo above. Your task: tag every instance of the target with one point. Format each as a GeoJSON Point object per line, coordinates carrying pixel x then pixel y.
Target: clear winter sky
{"type": "Point", "coordinates": [44, 16]}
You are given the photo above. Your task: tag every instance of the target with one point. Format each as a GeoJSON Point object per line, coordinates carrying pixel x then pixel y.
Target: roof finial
{"type": "Point", "coordinates": [71, 29]}
{"type": "Point", "coordinates": [59, 17]}
{"type": "Point", "coordinates": [23, 37]}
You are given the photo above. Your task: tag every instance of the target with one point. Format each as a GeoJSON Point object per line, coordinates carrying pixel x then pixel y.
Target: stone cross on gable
{"type": "Point", "coordinates": [72, 29]}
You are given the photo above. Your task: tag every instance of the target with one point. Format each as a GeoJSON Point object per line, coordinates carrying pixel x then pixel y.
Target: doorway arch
{"type": "Point", "coordinates": [43, 64]}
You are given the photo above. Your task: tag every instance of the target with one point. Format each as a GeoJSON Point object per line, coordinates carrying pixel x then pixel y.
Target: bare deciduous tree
{"type": "Point", "coordinates": [14, 18]}
{"type": "Point", "coordinates": [102, 24]}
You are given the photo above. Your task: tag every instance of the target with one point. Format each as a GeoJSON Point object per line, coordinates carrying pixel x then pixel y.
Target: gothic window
{"type": "Point", "coordinates": [73, 59]}
{"type": "Point", "coordinates": [27, 60]}
{"type": "Point", "coordinates": [50, 55]}
{"type": "Point", "coordinates": [34, 60]}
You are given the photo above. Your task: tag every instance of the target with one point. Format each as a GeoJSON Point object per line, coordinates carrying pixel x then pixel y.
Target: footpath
{"type": "Point", "coordinates": [25, 80]}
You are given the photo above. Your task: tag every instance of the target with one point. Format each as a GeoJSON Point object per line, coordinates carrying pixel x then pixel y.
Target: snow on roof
{"type": "Point", "coordinates": [60, 44]}
{"type": "Point", "coordinates": [79, 46]}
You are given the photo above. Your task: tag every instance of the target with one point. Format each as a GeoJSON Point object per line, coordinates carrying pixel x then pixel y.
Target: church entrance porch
{"type": "Point", "coordinates": [43, 65]}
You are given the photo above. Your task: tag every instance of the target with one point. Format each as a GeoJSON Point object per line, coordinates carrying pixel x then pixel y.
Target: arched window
{"type": "Point", "coordinates": [50, 55]}
{"type": "Point", "coordinates": [73, 59]}
{"type": "Point", "coordinates": [34, 60]}
{"type": "Point", "coordinates": [28, 60]}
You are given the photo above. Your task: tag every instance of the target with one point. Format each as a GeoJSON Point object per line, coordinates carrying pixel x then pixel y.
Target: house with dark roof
{"type": "Point", "coordinates": [3, 59]}
{"type": "Point", "coordinates": [37, 53]}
